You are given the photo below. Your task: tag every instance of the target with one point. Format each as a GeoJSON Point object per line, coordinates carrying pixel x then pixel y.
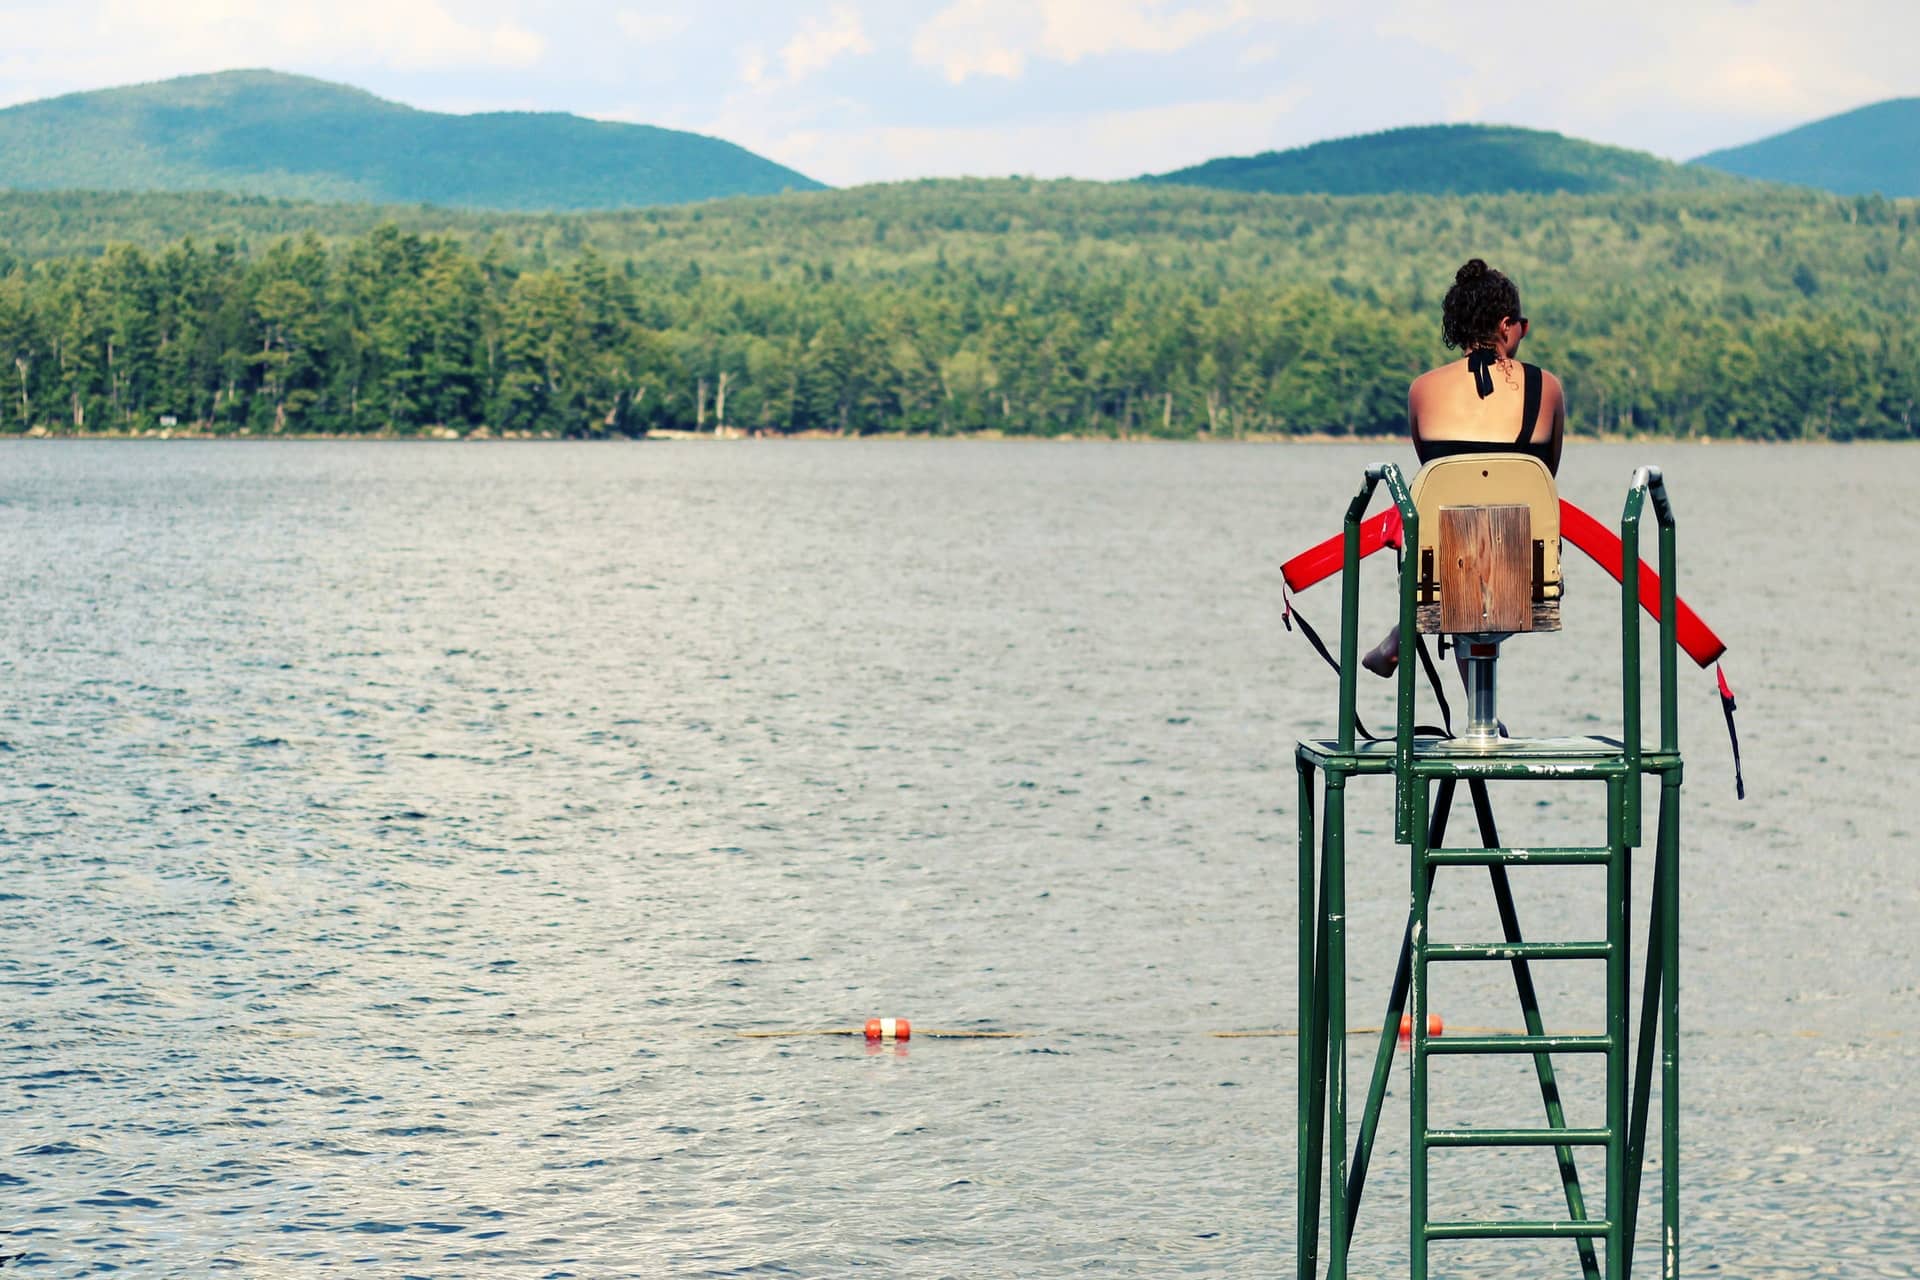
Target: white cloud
{"type": "Point", "coordinates": [1702, 74]}
{"type": "Point", "coordinates": [651, 28]}
{"type": "Point", "coordinates": [978, 38]}
{"type": "Point", "coordinates": [818, 44]}
{"type": "Point", "coordinates": [753, 65]}
{"type": "Point", "coordinates": [1076, 29]}
{"type": "Point", "coordinates": [1782, 60]}
{"type": "Point", "coordinates": [996, 37]}
{"type": "Point", "coordinates": [1114, 144]}
{"type": "Point", "coordinates": [407, 34]}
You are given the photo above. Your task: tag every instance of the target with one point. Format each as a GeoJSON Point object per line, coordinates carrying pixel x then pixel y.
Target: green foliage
{"type": "Point", "coordinates": [268, 134]}
{"type": "Point", "coordinates": [1446, 159]}
{"type": "Point", "coordinates": [1872, 149]}
{"type": "Point", "coordinates": [934, 307]}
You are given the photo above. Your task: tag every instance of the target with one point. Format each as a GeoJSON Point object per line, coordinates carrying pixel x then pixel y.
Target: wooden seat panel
{"type": "Point", "coordinates": [1497, 571]}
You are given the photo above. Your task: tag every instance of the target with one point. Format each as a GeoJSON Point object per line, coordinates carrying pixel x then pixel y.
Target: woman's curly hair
{"type": "Point", "coordinates": [1479, 300]}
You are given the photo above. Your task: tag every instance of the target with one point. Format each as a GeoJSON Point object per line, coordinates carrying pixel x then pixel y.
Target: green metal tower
{"type": "Point", "coordinates": [1427, 772]}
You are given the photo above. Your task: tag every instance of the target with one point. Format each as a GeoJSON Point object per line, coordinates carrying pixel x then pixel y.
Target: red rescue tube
{"type": "Point", "coordinates": [1324, 560]}
{"type": "Point", "coordinates": [1601, 544]}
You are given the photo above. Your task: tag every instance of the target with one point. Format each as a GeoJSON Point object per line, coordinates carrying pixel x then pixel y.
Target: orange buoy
{"type": "Point", "coordinates": [889, 1029]}
{"type": "Point", "coordinates": [1435, 1026]}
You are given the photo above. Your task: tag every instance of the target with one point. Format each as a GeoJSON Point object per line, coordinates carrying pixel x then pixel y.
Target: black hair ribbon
{"type": "Point", "coordinates": [1480, 363]}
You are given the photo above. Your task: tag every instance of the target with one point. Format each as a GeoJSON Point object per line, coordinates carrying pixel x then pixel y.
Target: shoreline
{"type": "Point", "coordinates": [737, 436]}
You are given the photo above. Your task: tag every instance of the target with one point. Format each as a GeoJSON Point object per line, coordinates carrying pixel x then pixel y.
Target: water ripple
{"type": "Point", "coordinates": [396, 837]}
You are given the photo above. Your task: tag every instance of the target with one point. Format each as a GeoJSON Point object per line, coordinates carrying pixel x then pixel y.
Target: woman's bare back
{"type": "Point", "coordinates": [1445, 404]}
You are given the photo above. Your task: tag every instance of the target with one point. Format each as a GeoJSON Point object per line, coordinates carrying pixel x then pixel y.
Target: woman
{"type": "Point", "coordinates": [1486, 402]}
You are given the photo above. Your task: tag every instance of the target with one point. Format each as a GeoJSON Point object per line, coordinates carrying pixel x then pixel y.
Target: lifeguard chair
{"type": "Point", "coordinates": [1482, 539]}
{"type": "Point", "coordinates": [1489, 564]}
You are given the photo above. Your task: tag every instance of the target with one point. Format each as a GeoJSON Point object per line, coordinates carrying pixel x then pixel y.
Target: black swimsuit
{"type": "Point", "coordinates": [1428, 450]}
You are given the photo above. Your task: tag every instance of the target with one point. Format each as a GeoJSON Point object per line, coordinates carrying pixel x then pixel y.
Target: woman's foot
{"type": "Point", "coordinates": [1384, 658]}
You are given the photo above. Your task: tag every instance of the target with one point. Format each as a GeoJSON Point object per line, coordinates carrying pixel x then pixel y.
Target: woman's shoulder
{"type": "Point", "coordinates": [1437, 374]}
{"type": "Point", "coordinates": [1552, 394]}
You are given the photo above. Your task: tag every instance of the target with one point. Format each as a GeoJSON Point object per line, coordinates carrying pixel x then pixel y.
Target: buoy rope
{"type": "Point", "coordinates": [797, 1032]}
{"type": "Point", "coordinates": [595, 1037]}
{"type": "Point", "coordinates": [918, 1033]}
{"type": "Point", "coordinates": [1294, 1032]}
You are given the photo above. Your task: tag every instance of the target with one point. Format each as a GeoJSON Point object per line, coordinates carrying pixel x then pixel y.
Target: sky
{"type": "Point", "coordinates": [853, 91]}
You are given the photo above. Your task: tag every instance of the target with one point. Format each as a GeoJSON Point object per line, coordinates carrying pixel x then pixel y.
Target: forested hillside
{"type": "Point", "coordinates": [1019, 307]}
{"type": "Point", "coordinates": [1447, 159]}
{"type": "Point", "coordinates": [267, 133]}
{"type": "Point", "coordinates": [36, 225]}
{"type": "Point", "coordinates": [1872, 149]}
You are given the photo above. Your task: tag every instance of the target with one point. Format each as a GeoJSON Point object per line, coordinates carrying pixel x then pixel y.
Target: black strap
{"type": "Point", "coordinates": [1727, 707]}
{"type": "Point", "coordinates": [1433, 680]}
{"type": "Point", "coordinates": [1480, 362]}
{"type": "Point", "coordinates": [1289, 615]}
{"type": "Point", "coordinates": [1530, 411]}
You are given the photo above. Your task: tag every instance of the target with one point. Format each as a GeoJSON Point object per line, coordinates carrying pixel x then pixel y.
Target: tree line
{"type": "Point", "coordinates": [952, 307]}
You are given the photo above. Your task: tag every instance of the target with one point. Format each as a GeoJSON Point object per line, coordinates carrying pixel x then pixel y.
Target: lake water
{"type": "Point", "coordinates": [395, 838]}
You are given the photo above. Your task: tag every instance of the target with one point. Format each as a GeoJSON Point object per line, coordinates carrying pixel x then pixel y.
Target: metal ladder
{"type": "Point", "coordinates": [1427, 774]}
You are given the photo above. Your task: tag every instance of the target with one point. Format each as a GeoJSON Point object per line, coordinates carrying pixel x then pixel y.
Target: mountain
{"type": "Point", "coordinates": [1873, 148]}
{"type": "Point", "coordinates": [1446, 159]}
{"type": "Point", "coordinates": [269, 134]}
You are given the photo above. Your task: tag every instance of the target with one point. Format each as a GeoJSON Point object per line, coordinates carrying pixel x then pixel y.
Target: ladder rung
{"type": "Point", "coordinates": [1518, 1044]}
{"type": "Point", "coordinates": [1590, 856]}
{"type": "Point", "coordinates": [1518, 951]}
{"type": "Point", "coordinates": [1516, 1230]}
{"type": "Point", "coordinates": [1518, 1137]}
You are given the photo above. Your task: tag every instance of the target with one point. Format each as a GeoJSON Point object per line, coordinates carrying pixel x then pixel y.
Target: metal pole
{"type": "Point", "coordinates": [1307, 1158]}
{"type": "Point", "coordinates": [1315, 1033]}
{"type": "Point", "coordinates": [1619, 941]}
{"type": "Point", "coordinates": [1668, 856]}
{"type": "Point", "coordinates": [1390, 1024]}
{"type": "Point", "coordinates": [1416, 1054]}
{"type": "Point", "coordinates": [1404, 819]}
{"type": "Point", "coordinates": [1669, 625]}
{"type": "Point", "coordinates": [1350, 607]}
{"type": "Point", "coordinates": [1630, 649]}
{"type": "Point", "coordinates": [1334, 883]}
{"type": "Point", "coordinates": [1670, 1027]}
{"type": "Point", "coordinates": [1651, 996]}
{"type": "Point", "coordinates": [1483, 690]}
